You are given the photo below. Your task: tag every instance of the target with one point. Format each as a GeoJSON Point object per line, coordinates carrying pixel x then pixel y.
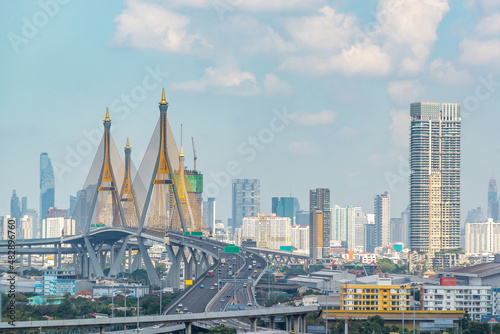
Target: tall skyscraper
{"type": "Point", "coordinates": [246, 200]}
{"type": "Point", "coordinates": [475, 215]}
{"type": "Point", "coordinates": [319, 221]}
{"type": "Point", "coordinates": [211, 213]}
{"type": "Point", "coordinates": [285, 207]}
{"type": "Point", "coordinates": [493, 200]}
{"type": "Point", "coordinates": [343, 225]}
{"type": "Point", "coordinates": [405, 217]}
{"type": "Point", "coordinates": [396, 230]}
{"type": "Point", "coordinates": [382, 209]}
{"type": "Point", "coordinates": [435, 178]}
{"type": "Point", "coordinates": [47, 187]}
{"type": "Point", "coordinates": [369, 237]}
{"type": "Point", "coordinates": [15, 208]}
{"type": "Point", "coordinates": [302, 218]}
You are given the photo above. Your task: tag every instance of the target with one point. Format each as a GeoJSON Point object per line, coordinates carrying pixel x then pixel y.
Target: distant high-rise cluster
{"type": "Point", "coordinates": [435, 178]}
{"type": "Point", "coordinates": [246, 200]}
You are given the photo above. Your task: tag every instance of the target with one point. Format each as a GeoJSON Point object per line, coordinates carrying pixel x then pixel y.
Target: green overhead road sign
{"type": "Point", "coordinates": [197, 233]}
{"type": "Point", "coordinates": [231, 249]}
{"type": "Point", "coordinates": [187, 233]}
{"type": "Point", "coordinates": [286, 248]}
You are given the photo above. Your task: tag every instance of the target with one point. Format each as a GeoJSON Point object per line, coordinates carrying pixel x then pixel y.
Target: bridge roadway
{"type": "Point", "coordinates": [197, 299]}
{"type": "Point", "coordinates": [298, 313]}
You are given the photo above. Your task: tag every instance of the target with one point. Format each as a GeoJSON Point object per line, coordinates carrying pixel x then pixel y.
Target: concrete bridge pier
{"type": "Point", "coordinates": [59, 257]}
{"type": "Point", "coordinates": [173, 276]}
{"type": "Point", "coordinates": [29, 260]}
{"type": "Point", "coordinates": [272, 322]}
{"type": "Point", "coordinates": [296, 323]}
{"type": "Point", "coordinates": [150, 268]}
{"type": "Point", "coordinates": [188, 327]}
{"type": "Point", "coordinates": [136, 263]}
{"type": "Point", "coordinates": [303, 323]}
{"type": "Point", "coordinates": [253, 324]}
{"type": "Point", "coordinates": [101, 330]}
{"type": "Point", "coordinates": [288, 325]}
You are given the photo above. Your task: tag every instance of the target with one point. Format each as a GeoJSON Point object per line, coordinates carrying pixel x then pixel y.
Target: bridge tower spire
{"type": "Point", "coordinates": [164, 199]}
{"type": "Point", "coordinates": [128, 197]}
{"type": "Point", "coordinates": [106, 207]}
{"type": "Point", "coordinates": [100, 201]}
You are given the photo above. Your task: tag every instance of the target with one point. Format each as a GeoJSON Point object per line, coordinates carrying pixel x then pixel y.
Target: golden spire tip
{"type": "Point", "coordinates": [181, 154]}
{"type": "Point", "coordinates": [128, 144]}
{"type": "Point", "coordinates": [163, 101]}
{"type": "Point", "coordinates": [107, 119]}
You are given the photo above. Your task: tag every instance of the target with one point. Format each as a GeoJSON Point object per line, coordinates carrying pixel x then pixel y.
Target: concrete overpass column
{"type": "Point", "coordinates": [101, 330]}
{"type": "Point", "coordinates": [102, 260]}
{"type": "Point", "coordinates": [296, 323]}
{"type": "Point", "coordinates": [112, 256]}
{"type": "Point", "coordinates": [288, 326]}
{"type": "Point", "coordinates": [43, 260]}
{"type": "Point", "coordinates": [174, 271]}
{"type": "Point", "coordinates": [272, 322]}
{"type": "Point", "coordinates": [188, 266]}
{"type": "Point", "coordinates": [137, 261]}
{"type": "Point", "coordinates": [59, 266]}
{"type": "Point", "coordinates": [188, 327]}
{"type": "Point", "coordinates": [29, 259]}
{"type": "Point", "coordinates": [303, 327]}
{"type": "Point", "coordinates": [129, 261]}
{"type": "Point", "coordinates": [253, 324]}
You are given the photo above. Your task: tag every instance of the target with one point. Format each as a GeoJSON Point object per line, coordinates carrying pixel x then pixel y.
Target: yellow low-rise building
{"type": "Point", "coordinates": [383, 296]}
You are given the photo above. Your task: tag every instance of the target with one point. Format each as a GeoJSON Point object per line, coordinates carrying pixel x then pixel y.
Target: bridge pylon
{"type": "Point", "coordinates": [99, 204]}
{"type": "Point", "coordinates": [166, 205]}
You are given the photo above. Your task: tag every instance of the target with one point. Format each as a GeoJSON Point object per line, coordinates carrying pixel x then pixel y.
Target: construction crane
{"type": "Point", "coordinates": [194, 154]}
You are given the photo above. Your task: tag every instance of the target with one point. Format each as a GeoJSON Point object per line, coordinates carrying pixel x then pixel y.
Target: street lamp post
{"type": "Point", "coordinates": [113, 302]}
{"type": "Point", "coordinates": [161, 293]}
{"type": "Point", "coordinates": [326, 314]}
{"type": "Point", "coordinates": [404, 305]}
{"type": "Point", "coordinates": [414, 308]}
{"type": "Point", "coordinates": [125, 326]}
{"type": "Point", "coordinates": [137, 311]}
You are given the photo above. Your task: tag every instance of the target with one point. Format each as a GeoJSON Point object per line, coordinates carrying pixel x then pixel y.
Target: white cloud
{"type": "Point", "coordinates": [479, 53]}
{"type": "Point", "coordinates": [227, 80]}
{"type": "Point", "coordinates": [399, 127]}
{"type": "Point", "coordinates": [410, 27]}
{"type": "Point", "coordinates": [246, 34]}
{"type": "Point", "coordinates": [486, 5]}
{"type": "Point", "coordinates": [303, 147]}
{"type": "Point", "coordinates": [323, 117]}
{"type": "Point", "coordinates": [274, 86]}
{"type": "Point", "coordinates": [404, 92]}
{"type": "Point", "coordinates": [325, 31]}
{"type": "Point", "coordinates": [145, 25]}
{"type": "Point", "coordinates": [444, 72]}
{"type": "Point", "coordinates": [347, 132]}
{"type": "Point", "coordinates": [368, 60]}
{"type": "Point", "coordinates": [231, 80]}
{"type": "Point", "coordinates": [229, 6]}
{"type": "Point", "coordinates": [489, 25]}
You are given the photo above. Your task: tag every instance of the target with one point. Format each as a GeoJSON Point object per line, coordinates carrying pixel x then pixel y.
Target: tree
{"type": "Point", "coordinates": [221, 330]}
{"type": "Point", "coordinates": [386, 265]}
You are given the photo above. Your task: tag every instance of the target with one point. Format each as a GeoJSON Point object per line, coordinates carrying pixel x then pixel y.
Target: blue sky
{"type": "Point", "coordinates": [344, 72]}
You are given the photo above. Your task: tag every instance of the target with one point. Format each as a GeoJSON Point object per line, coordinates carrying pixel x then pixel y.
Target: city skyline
{"type": "Point", "coordinates": [333, 114]}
